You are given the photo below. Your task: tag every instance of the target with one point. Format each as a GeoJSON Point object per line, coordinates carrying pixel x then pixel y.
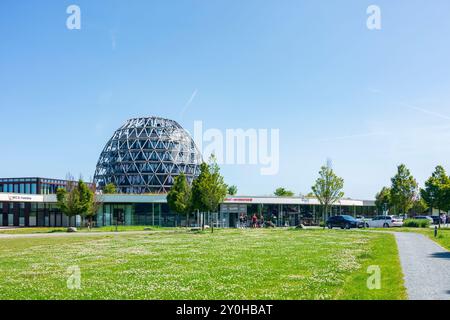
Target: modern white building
{"type": "Point", "coordinates": [142, 209]}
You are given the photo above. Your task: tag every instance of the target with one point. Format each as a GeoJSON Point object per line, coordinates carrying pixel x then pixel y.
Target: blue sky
{"type": "Point", "coordinates": [368, 100]}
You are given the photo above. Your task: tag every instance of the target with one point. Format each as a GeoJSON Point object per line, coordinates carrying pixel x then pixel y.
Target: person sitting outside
{"type": "Point", "coordinates": [261, 221]}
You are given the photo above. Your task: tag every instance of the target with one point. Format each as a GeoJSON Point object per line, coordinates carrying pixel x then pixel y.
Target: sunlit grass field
{"type": "Point", "coordinates": [120, 228]}
{"type": "Point", "coordinates": [226, 264]}
{"type": "Point", "coordinates": [443, 235]}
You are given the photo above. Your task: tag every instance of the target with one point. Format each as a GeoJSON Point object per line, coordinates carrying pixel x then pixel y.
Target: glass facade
{"type": "Point", "coordinates": [31, 185]}
{"type": "Point", "coordinates": [19, 185]}
{"type": "Point", "coordinates": [139, 214]}
{"type": "Point", "coordinates": [285, 214]}
{"type": "Point", "coordinates": [27, 214]}
{"type": "Point", "coordinates": [45, 214]}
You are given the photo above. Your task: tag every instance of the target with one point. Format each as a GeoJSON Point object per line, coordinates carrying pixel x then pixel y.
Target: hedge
{"type": "Point", "coordinates": [416, 223]}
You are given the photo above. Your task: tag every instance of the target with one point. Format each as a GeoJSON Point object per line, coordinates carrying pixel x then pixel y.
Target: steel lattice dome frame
{"type": "Point", "coordinates": [145, 155]}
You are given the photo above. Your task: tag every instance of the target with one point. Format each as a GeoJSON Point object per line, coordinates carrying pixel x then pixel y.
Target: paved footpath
{"type": "Point", "coordinates": [426, 267]}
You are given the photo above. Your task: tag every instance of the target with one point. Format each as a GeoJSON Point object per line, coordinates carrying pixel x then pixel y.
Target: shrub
{"type": "Point", "coordinates": [416, 223]}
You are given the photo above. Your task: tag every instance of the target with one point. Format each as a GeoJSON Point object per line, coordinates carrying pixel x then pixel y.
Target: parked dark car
{"type": "Point", "coordinates": [344, 222]}
{"type": "Point", "coordinates": [436, 219]}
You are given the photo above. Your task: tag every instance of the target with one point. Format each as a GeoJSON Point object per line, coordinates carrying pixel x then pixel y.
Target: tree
{"type": "Point", "coordinates": [89, 201]}
{"type": "Point", "coordinates": [68, 199]}
{"type": "Point", "coordinates": [232, 190]}
{"type": "Point", "coordinates": [68, 203]}
{"type": "Point", "coordinates": [179, 197]}
{"type": "Point", "coordinates": [419, 206]}
{"type": "Point", "coordinates": [404, 189]}
{"type": "Point", "coordinates": [198, 186]}
{"type": "Point", "coordinates": [328, 188]}
{"type": "Point", "coordinates": [110, 188]}
{"type": "Point", "coordinates": [209, 189]}
{"type": "Point", "coordinates": [86, 196]}
{"type": "Point", "coordinates": [77, 199]}
{"type": "Point", "coordinates": [97, 203]}
{"type": "Point", "coordinates": [217, 190]}
{"type": "Point", "coordinates": [282, 192]}
{"type": "Point", "coordinates": [436, 191]}
{"type": "Point", "coordinates": [383, 199]}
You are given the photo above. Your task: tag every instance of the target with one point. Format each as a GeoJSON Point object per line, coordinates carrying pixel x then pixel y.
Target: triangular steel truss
{"type": "Point", "coordinates": [145, 155]}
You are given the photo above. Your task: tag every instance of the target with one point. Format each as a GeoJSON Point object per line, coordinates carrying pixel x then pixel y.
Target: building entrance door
{"type": "Point", "coordinates": [5, 219]}
{"type": "Point", "coordinates": [118, 217]}
{"type": "Point", "coordinates": [233, 219]}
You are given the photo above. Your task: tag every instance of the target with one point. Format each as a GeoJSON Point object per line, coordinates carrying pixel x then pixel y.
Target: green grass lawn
{"type": "Point", "coordinates": [228, 264]}
{"type": "Point", "coordinates": [443, 237]}
{"type": "Point", "coordinates": [35, 230]}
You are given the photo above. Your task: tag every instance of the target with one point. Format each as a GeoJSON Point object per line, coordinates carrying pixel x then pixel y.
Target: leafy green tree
{"type": "Point", "coordinates": [68, 202]}
{"type": "Point", "coordinates": [97, 202]}
{"type": "Point", "coordinates": [419, 206]}
{"type": "Point", "coordinates": [382, 199]}
{"type": "Point", "coordinates": [209, 189]}
{"type": "Point", "coordinates": [110, 188]}
{"type": "Point", "coordinates": [232, 190]}
{"type": "Point", "coordinates": [86, 197]}
{"type": "Point", "coordinates": [217, 190]}
{"type": "Point", "coordinates": [89, 202]}
{"type": "Point", "coordinates": [179, 197]}
{"type": "Point", "coordinates": [328, 189]}
{"type": "Point", "coordinates": [404, 189]}
{"type": "Point", "coordinates": [436, 192]}
{"type": "Point", "coordinates": [77, 199]}
{"type": "Point", "coordinates": [282, 192]}
{"type": "Point", "coordinates": [198, 186]}
{"type": "Point", "coordinates": [68, 199]}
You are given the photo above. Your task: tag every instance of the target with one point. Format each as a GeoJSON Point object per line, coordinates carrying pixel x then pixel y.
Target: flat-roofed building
{"type": "Point", "coordinates": [152, 210]}
{"type": "Point", "coordinates": [34, 185]}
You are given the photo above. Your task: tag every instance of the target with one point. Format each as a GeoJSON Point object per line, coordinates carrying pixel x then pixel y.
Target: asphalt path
{"type": "Point", "coordinates": [426, 267]}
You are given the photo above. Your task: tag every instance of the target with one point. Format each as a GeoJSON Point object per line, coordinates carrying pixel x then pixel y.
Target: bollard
{"type": "Point", "coordinates": [435, 231]}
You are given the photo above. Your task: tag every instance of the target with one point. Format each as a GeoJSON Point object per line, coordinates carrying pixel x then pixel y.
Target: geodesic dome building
{"type": "Point", "coordinates": [145, 155]}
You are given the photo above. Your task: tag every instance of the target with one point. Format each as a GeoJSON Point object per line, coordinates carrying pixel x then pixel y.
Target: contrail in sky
{"type": "Point", "coordinates": [431, 113]}
{"type": "Point", "coordinates": [188, 103]}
